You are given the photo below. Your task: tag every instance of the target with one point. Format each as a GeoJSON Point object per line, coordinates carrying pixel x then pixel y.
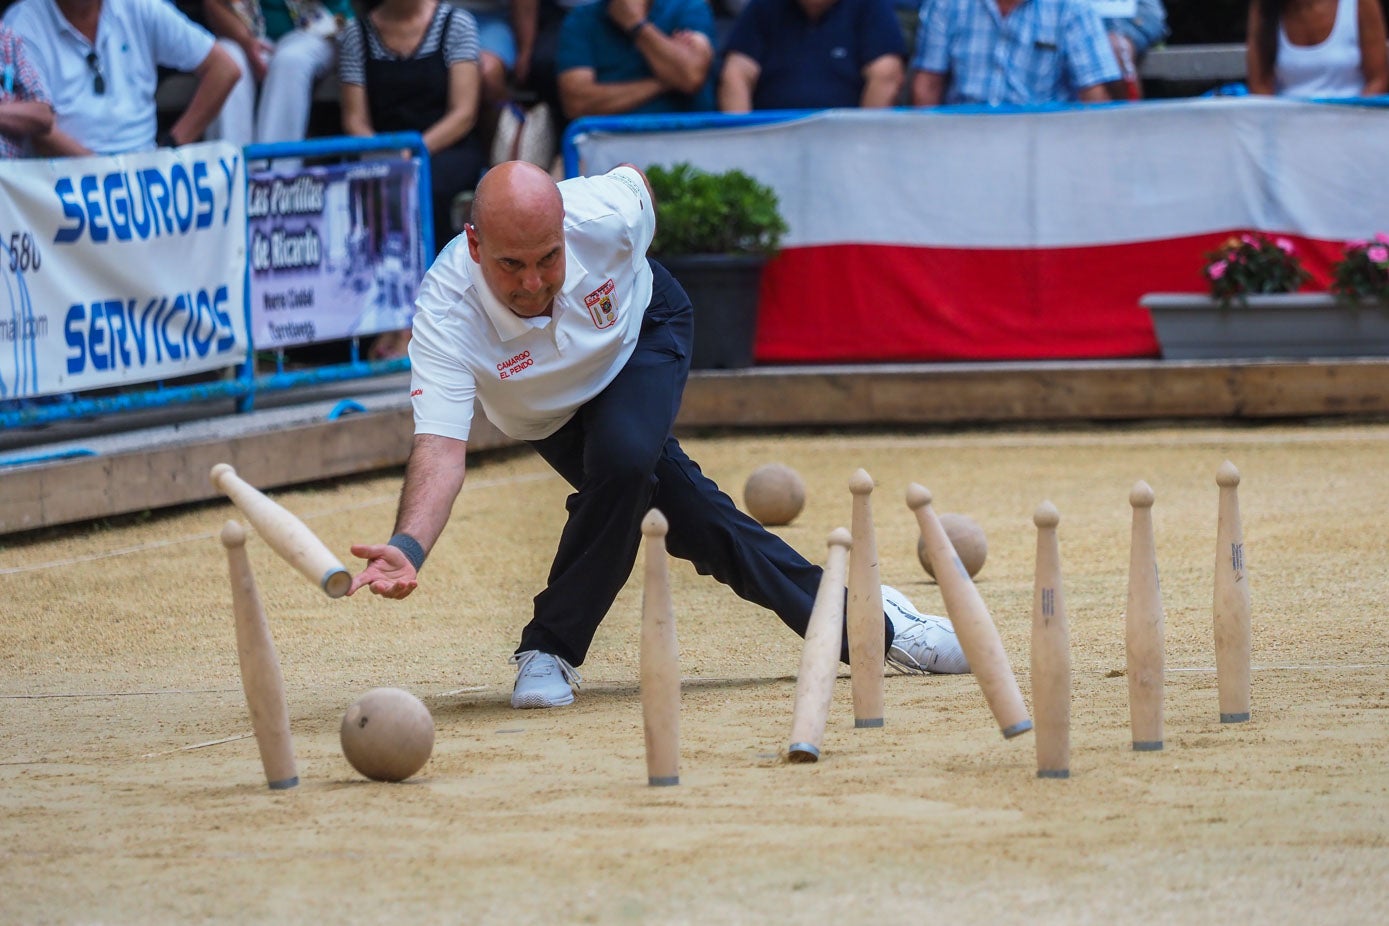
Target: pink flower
{"type": "Point", "coordinates": [1284, 245]}
{"type": "Point", "coordinates": [1359, 244]}
{"type": "Point", "coordinates": [1379, 253]}
{"type": "Point", "coordinates": [1382, 237]}
{"type": "Point", "coordinates": [1216, 270]}
{"type": "Point", "coordinates": [1249, 239]}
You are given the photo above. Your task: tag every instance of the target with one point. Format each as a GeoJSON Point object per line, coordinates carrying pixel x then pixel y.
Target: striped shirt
{"type": "Point", "coordinates": [19, 83]}
{"type": "Point", "coordinates": [460, 44]}
{"type": "Point", "coordinates": [1044, 51]}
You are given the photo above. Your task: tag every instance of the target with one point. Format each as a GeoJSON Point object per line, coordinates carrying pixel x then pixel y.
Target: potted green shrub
{"type": "Point", "coordinates": [715, 232]}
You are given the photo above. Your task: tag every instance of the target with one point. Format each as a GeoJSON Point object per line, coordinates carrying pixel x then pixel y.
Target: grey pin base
{"type": "Point", "coordinates": [1147, 746]}
{"type": "Point", "coordinates": [1235, 718]}
{"type": "Point", "coordinates": [860, 724]}
{"type": "Point", "coordinates": [336, 582]}
{"type": "Point", "coordinates": [802, 752]}
{"type": "Point", "coordinates": [1022, 726]}
{"type": "Point", "coordinates": [663, 782]}
{"type": "Point", "coordinates": [284, 784]}
{"type": "Point", "coordinates": [1053, 773]}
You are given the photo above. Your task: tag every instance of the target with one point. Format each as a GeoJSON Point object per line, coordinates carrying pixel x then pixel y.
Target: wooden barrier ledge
{"type": "Point", "coordinates": [158, 468]}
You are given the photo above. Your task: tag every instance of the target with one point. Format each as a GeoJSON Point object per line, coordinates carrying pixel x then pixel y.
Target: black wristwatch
{"type": "Point", "coordinates": [632, 32]}
{"type": "Point", "coordinates": [165, 140]}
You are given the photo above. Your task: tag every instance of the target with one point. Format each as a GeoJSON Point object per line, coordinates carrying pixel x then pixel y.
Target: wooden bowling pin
{"type": "Point", "coordinates": [1051, 652]}
{"type": "Point", "coordinates": [824, 637]}
{"type": "Point", "coordinates": [979, 638]}
{"type": "Point", "coordinates": [1231, 607]}
{"type": "Point", "coordinates": [864, 611]}
{"type": "Point", "coordinates": [660, 660]}
{"type": "Point", "coordinates": [1144, 624]}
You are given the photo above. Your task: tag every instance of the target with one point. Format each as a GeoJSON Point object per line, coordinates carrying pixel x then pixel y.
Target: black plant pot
{"type": "Point", "coordinates": [724, 290]}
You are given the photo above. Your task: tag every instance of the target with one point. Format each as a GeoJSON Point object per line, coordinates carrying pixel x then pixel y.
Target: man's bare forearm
{"type": "Point", "coordinates": [589, 98]}
{"type": "Point", "coordinates": [682, 66]}
{"type": "Point", "coordinates": [433, 478]}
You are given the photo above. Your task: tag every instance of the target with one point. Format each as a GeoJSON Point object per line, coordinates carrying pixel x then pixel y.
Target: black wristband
{"type": "Point", "coordinates": [165, 140]}
{"type": "Point", "coordinates": [632, 32]}
{"type": "Point", "coordinates": [410, 547]}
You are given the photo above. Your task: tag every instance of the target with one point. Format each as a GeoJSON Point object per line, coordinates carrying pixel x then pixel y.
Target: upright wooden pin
{"type": "Point", "coordinates": [660, 659]}
{"type": "Point", "coordinates": [261, 678]}
{"type": "Point", "coordinates": [286, 534]}
{"type": "Point", "coordinates": [978, 636]}
{"type": "Point", "coordinates": [864, 611]}
{"type": "Point", "coordinates": [1231, 608]}
{"type": "Point", "coordinates": [1051, 652]}
{"type": "Point", "coordinates": [824, 637]}
{"type": "Point", "coordinates": [1144, 626]}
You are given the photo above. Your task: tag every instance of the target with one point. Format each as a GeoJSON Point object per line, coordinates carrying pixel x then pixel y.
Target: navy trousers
{"type": "Point", "coordinates": [621, 459]}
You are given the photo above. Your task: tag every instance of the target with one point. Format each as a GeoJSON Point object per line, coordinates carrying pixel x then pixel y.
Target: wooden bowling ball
{"type": "Point", "coordinates": [774, 494]}
{"type": "Point", "coordinates": [968, 538]}
{"type": "Point", "coordinates": [387, 734]}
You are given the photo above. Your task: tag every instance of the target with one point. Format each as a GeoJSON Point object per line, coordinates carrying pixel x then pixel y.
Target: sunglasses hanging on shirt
{"type": "Point", "coordinates": [98, 79]}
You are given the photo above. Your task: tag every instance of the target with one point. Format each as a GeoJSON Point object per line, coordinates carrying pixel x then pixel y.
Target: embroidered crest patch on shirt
{"type": "Point", "coordinates": [602, 305]}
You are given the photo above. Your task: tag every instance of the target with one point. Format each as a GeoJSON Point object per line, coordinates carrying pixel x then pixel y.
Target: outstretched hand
{"type": "Point", "coordinates": [388, 573]}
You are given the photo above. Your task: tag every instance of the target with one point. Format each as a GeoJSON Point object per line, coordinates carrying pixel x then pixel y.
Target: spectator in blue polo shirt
{"type": "Point", "coordinates": [812, 54]}
{"type": "Point", "coordinates": [636, 56]}
{"type": "Point", "coordinates": [1011, 53]}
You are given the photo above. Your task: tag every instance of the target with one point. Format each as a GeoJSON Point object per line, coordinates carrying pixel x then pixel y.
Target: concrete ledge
{"type": "Point", "coordinates": [160, 467]}
{"type": "Point", "coordinates": [1034, 392]}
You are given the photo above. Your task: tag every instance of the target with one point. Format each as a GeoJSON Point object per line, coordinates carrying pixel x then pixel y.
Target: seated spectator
{"type": "Point", "coordinates": [812, 54]}
{"type": "Point", "coordinates": [635, 56]}
{"type": "Point", "coordinates": [506, 41]}
{"type": "Point", "coordinates": [1310, 50]}
{"type": "Point", "coordinates": [411, 65]}
{"type": "Point", "coordinates": [541, 20]}
{"type": "Point", "coordinates": [1131, 37]}
{"type": "Point", "coordinates": [282, 48]}
{"type": "Point", "coordinates": [100, 59]}
{"type": "Point", "coordinates": [25, 110]}
{"type": "Point", "coordinates": [507, 32]}
{"type": "Point", "coordinates": [1036, 51]}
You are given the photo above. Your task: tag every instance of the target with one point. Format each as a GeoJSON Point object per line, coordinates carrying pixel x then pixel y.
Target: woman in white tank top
{"type": "Point", "coordinates": [1317, 48]}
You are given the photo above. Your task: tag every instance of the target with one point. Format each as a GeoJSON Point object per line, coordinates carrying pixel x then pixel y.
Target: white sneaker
{"type": "Point", "coordinates": [921, 642]}
{"type": "Point", "coordinates": [543, 680]}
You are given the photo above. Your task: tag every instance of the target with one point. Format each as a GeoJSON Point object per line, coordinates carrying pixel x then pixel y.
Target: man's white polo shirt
{"type": "Point", "coordinates": [133, 39]}
{"type": "Point", "coordinates": [531, 375]}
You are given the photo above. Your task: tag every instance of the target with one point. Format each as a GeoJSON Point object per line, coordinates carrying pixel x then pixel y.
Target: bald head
{"type": "Point", "coordinates": [517, 236]}
{"type": "Point", "coordinates": [517, 195]}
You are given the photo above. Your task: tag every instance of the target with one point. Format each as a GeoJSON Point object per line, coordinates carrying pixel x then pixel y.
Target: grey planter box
{"type": "Point", "coordinates": [1275, 327]}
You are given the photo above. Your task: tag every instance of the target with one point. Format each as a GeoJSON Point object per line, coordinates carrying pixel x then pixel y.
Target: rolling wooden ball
{"type": "Point", "coordinates": [387, 734]}
{"type": "Point", "coordinates": [968, 538]}
{"type": "Point", "coordinates": [774, 494]}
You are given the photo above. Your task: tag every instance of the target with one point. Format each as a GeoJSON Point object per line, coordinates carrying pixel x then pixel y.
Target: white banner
{"type": "Point", "coordinates": [121, 270]}
{"type": "Point", "coordinates": [335, 251]}
{"type": "Point", "coordinates": [1051, 178]}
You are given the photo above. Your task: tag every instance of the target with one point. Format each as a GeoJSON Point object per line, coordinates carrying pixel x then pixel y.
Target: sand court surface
{"type": "Point", "coordinates": [131, 790]}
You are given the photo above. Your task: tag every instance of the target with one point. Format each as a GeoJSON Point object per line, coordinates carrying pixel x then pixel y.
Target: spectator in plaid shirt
{"type": "Point", "coordinates": [25, 109]}
{"type": "Point", "coordinates": [1011, 52]}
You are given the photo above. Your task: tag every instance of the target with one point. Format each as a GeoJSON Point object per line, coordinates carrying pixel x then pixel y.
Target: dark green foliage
{"type": "Point", "coordinates": [703, 213]}
{"type": "Point", "coordinates": [1253, 265]}
{"type": "Point", "coordinates": [1363, 271]}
